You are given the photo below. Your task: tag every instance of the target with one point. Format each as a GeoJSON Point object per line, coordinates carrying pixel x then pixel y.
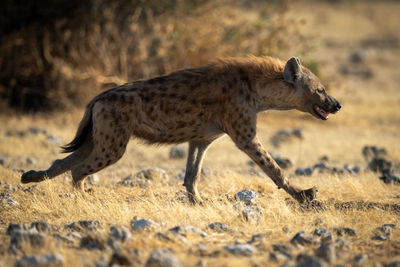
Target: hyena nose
{"type": "Point", "coordinates": [338, 106]}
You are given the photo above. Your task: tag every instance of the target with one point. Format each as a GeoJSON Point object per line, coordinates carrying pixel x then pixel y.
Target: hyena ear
{"type": "Point", "coordinates": [292, 70]}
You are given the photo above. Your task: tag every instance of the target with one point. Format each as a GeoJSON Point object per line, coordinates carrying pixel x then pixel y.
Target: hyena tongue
{"type": "Point", "coordinates": [322, 112]}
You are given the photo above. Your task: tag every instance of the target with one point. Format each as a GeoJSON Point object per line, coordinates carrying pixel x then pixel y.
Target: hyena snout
{"type": "Point", "coordinates": [329, 106]}
{"type": "Point", "coordinates": [338, 106]}
{"type": "Point", "coordinates": [335, 106]}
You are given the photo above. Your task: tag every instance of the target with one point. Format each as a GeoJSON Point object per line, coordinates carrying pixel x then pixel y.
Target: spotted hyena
{"type": "Point", "coordinates": [196, 105]}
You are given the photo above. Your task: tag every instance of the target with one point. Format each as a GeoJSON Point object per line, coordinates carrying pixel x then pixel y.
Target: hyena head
{"type": "Point", "coordinates": [310, 92]}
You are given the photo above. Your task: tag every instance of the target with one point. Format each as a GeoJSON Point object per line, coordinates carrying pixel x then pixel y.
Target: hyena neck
{"type": "Point", "coordinates": [262, 78]}
{"type": "Point", "coordinates": [276, 94]}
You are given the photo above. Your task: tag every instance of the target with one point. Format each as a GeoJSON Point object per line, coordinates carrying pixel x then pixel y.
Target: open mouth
{"type": "Point", "coordinates": [321, 112]}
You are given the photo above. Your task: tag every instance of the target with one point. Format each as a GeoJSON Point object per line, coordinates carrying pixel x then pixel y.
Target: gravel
{"type": "Point", "coordinates": [324, 234]}
{"type": "Point", "coordinates": [277, 257]}
{"type": "Point", "coordinates": [341, 231]}
{"type": "Point", "coordinates": [380, 238]}
{"type": "Point", "coordinates": [30, 161]}
{"type": "Point", "coordinates": [145, 177]}
{"type": "Point", "coordinates": [79, 226]}
{"type": "Point", "coordinates": [63, 239]}
{"type": "Point", "coordinates": [10, 187]}
{"type": "Point", "coordinates": [241, 249]}
{"type": "Point", "coordinates": [133, 181]}
{"type": "Point", "coordinates": [10, 202]}
{"type": "Point", "coordinates": [302, 238]}
{"type": "Point", "coordinates": [120, 233]}
{"type": "Point", "coordinates": [14, 227]}
{"type": "Point", "coordinates": [46, 260]}
{"type": "Point", "coordinates": [388, 176]}
{"type": "Point", "coordinates": [118, 258]}
{"type": "Point", "coordinates": [251, 213]}
{"type": "Point", "coordinates": [371, 152]}
{"type": "Point", "coordinates": [162, 258]}
{"type": "Point", "coordinates": [40, 226]}
{"type": "Point", "coordinates": [310, 261]}
{"type": "Point", "coordinates": [36, 130]}
{"type": "Point", "coordinates": [4, 160]}
{"type": "Point", "coordinates": [283, 249]}
{"type": "Point", "coordinates": [154, 174]}
{"type": "Point", "coordinates": [320, 232]}
{"type": "Point", "coordinates": [393, 264]}
{"type": "Point", "coordinates": [219, 227]}
{"type": "Point", "coordinates": [34, 238]}
{"type": "Point", "coordinates": [177, 152]}
{"type": "Point", "coordinates": [327, 252]}
{"type": "Point", "coordinates": [5, 195]}
{"type": "Point", "coordinates": [74, 235]}
{"type": "Point", "coordinates": [143, 224]}
{"type": "Point", "coordinates": [257, 238]}
{"type": "Point", "coordinates": [284, 163]}
{"type": "Point", "coordinates": [186, 230]}
{"type": "Point", "coordinates": [378, 164]}
{"type": "Point", "coordinates": [304, 171]}
{"type": "Point", "coordinates": [360, 259]}
{"type": "Point", "coordinates": [247, 196]}
{"type": "Point", "coordinates": [92, 243]}
{"type": "Point", "coordinates": [286, 135]}
{"type": "Point", "coordinates": [92, 179]}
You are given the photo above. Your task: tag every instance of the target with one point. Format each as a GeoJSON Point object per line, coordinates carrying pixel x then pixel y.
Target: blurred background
{"type": "Point", "coordinates": [55, 54]}
{"type": "Point", "coordinates": [58, 54]}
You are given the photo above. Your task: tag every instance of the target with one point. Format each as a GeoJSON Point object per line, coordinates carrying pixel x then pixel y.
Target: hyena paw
{"type": "Point", "coordinates": [195, 200]}
{"type": "Point", "coordinates": [89, 190]}
{"type": "Point", "coordinates": [33, 176]}
{"type": "Point", "coordinates": [307, 195]}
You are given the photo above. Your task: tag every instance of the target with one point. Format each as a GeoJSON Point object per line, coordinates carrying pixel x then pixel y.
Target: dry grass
{"type": "Point", "coordinates": [369, 116]}
{"type": "Point", "coordinates": [113, 204]}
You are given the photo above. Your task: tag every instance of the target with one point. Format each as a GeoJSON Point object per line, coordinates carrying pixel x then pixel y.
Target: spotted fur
{"type": "Point", "coordinates": [196, 105]}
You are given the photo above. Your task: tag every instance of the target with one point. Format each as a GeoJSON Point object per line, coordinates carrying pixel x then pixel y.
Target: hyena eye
{"type": "Point", "coordinates": [320, 90]}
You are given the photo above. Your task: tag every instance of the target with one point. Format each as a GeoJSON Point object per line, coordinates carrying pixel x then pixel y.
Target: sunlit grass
{"type": "Point", "coordinates": [162, 201]}
{"type": "Point", "coordinates": [369, 117]}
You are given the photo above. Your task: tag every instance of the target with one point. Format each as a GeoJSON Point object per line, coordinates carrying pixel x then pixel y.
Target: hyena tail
{"type": "Point", "coordinates": [84, 130]}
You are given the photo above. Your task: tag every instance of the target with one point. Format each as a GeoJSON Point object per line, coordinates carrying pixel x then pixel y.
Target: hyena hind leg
{"type": "Point", "coordinates": [197, 151]}
{"type": "Point", "coordinates": [59, 166]}
{"type": "Point", "coordinates": [111, 133]}
{"type": "Point", "coordinates": [101, 157]}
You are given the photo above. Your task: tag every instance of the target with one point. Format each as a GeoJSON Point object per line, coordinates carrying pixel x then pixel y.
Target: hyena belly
{"type": "Point", "coordinates": [169, 131]}
{"type": "Point", "coordinates": [166, 121]}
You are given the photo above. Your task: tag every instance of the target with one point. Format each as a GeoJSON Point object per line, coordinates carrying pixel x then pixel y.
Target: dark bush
{"type": "Point", "coordinates": [55, 54]}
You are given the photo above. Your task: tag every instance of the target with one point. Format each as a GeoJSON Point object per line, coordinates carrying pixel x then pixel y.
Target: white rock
{"type": "Point", "coordinates": [143, 224]}
{"type": "Point", "coordinates": [247, 196]}
{"type": "Point", "coordinates": [241, 249]}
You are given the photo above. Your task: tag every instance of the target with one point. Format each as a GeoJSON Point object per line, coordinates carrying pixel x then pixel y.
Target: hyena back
{"type": "Point", "coordinates": [195, 105]}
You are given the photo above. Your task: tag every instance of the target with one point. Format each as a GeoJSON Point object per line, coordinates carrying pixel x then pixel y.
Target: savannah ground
{"type": "Point", "coordinates": [369, 117]}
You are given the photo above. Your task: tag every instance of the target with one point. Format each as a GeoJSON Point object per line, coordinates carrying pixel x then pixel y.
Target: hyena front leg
{"type": "Point", "coordinates": [196, 155]}
{"type": "Point", "coordinates": [258, 154]}
{"type": "Point", "coordinates": [247, 141]}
